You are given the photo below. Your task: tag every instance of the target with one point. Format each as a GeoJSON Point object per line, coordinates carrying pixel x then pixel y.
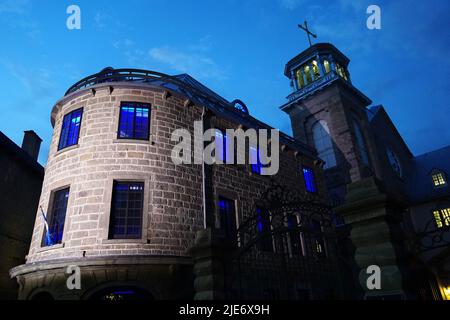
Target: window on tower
{"type": "Point", "coordinates": [70, 129]}
{"type": "Point", "coordinates": [300, 80]}
{"type": "Point", "coordinates": [341, 71]}
{"type": "Point", "coordinates": [126, 210]}
{"type": "Point", "coordinates": [326, 65]}
{"type": "Point", "coordinates": [324, 144]}
{"type": "Point", "coordinates": [307, 71]}
{"type": "Point", "coordinates": [134, 121]}
{"type": "Point", "coordinates": [55, 222]}
{"type": "Point", "coordinates": [315, 68]}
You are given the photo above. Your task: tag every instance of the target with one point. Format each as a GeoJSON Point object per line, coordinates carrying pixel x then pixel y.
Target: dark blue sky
{"type": "Point", "coordinates": [236, 47]}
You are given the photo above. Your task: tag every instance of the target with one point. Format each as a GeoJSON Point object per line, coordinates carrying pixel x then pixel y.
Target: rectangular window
{"type": "Point", "coordinates": [134, 121]}
{"type": "Point", "coordinates": [70, 130]}
{"type": "Point", "coordinates": [263, 226]}
{"type": "Point", "coordinates": [57, 218]}
{"type": "Point", "coordinates": [318, 243]}
{"type": "Point", "coordinates": [255, 157]}
{"type": "Point", "coordinates": [294, 236]}
{"type": "Point", "coordinates": [442, 217]}
{"type": "Point", "coordinates": [221, 145]}
{"type": "Point", "coordinates": [227, 214]}
{"type": "Point", "coordinates": [126, 210]}
{"type": "Point", "coordinates": [308, 175]}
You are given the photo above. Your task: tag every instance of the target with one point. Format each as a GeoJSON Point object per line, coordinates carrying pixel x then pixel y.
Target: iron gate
{"type": "Point", "coordinates": [291, 253]}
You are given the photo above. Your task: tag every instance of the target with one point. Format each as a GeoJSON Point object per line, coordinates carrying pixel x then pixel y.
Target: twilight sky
{"type": "Point", "coordinates": [238, 48]}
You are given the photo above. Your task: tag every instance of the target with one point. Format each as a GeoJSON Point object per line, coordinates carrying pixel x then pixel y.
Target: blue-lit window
{"type": "Point", "coordinates": [70, 129]}
{"type": "Point", "coordinates": [255, 156]}
{"type": "Point", "coordinates": [264, 229]}
{"type": "Point", "coordinates": [126, 210]}
{"type": "Point", "coordinates": [310, 184]}
{"type": "Point", "coordinates": [57, 218]}
{"type": "Point", "coordinates": [221, 146]}
{"type": "Point", "coordinates": [227, 214]}
{"type": "Point", "coordinates": [134, 121]}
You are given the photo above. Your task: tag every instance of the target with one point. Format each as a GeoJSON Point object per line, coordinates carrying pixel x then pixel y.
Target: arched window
{"type": "Point", "coordinates": [307, 71]}
{"type": "Point", "coordinates": [394, 162]}
{"type": "Point", "coordinates": [361, 144]}
{"type": "Point", "coordinates": [300, 81]}
{"type": "Point", "coordinates": [438, 178]}
{"type": "Point", "coordinates": [323, 143]}
{"type": "Point", "coordinates": [341, 71]}
{"type": "Point", "coordinates": [316, 71]}
{"type": "Point", "coordinates": [326, 65]}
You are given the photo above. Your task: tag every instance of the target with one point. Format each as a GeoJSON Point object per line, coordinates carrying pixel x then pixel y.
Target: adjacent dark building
{"type": "Point", "coordinates": [20, 187]}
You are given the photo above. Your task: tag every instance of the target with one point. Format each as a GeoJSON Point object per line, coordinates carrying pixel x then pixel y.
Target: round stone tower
{"type": "Point", "coordinates": [113, 205]}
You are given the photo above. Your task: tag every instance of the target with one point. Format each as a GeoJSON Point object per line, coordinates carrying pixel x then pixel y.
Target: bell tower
{"type": "Point", "coordinates": [329, 113]}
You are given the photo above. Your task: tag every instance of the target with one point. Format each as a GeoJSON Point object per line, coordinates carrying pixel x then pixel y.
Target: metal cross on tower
{"type": "Point", "coordinates": [309, 33]}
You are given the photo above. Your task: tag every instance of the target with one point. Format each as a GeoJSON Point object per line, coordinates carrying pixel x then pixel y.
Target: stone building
{"type": "Point", "coordinates": [20, 178]}
{"type": "Point", "coordinates": [137, 225]}
{"type": "Point", "coordinates": [395, 205]}
{"type": "Point", "coordinates": [349, 194]}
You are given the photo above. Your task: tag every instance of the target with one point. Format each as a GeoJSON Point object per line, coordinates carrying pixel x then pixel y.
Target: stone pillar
{"type": "Point", "coordinates": [209, 251]}
{"type": "Point", "coordinates": [376, 235]}
{"type": "Point", "coordinates": [294, 79]}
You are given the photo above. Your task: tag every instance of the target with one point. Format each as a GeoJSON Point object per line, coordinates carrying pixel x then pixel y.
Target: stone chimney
{"type": "Point", "coordinates": [31, 144]}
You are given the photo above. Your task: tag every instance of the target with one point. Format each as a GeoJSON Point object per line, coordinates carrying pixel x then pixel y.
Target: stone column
{"type": "Point", "coordinates": [209, 251]}
{"type": "Point", "coordinates": [376, 235]}
{"type": "Point", "coordinates": [294, 79]}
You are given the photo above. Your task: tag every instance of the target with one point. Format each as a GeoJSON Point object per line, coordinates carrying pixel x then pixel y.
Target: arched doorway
{"type": "Point", "coordinates": [121, 293]}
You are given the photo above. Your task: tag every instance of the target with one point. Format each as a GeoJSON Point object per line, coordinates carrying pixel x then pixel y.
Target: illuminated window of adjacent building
{"type": "Point", "coordinates": [315, 68]}
{"type": "Point", "coordinates": [300, 80]}
{"type": "Point", "coordinates": [70, 130]}
{"type": "Point", "coordinates": [57, 218]}
{"type": "Point", "coordinates": [227, 215]}
{"type": "Point", "coordinates": [134, 121]}
{"type": "Point", "coordinates": [310, 183]}
{"type": "Point", "coordinates": [438, 178]}
{"type": "Point", "coordinates": [126, 210]}
{"type": "Point", "coordinates": [361, 144]}
{"type": "Point", "coordinates": [442, 217]}
{"type": "Point", "coordinates": [263, 227]}
{"type": "Point", "coordinates": [327, 66]}
{"type": "Point", "coordinates": [394, 162]}
{"type": "Point", "coordinates": [307, 71]}
{"type": "Point", "coordinates": [323, 144]}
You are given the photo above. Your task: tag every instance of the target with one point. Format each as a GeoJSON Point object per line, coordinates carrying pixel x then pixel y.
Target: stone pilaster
{"type": "Point", "coordinates": [376, 235]}
{"type": "Point", "coordinates": [208, 254]}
